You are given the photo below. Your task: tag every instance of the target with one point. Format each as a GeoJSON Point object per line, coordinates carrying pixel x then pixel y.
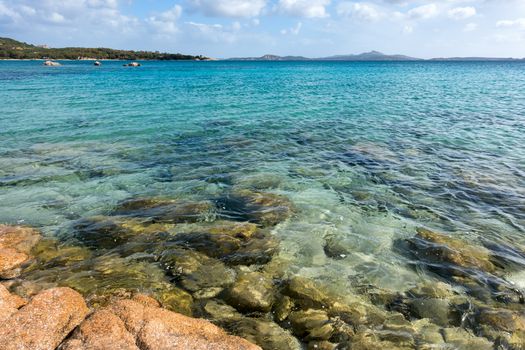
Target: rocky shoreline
{"type": "Point", "coordinates": [160, 273]}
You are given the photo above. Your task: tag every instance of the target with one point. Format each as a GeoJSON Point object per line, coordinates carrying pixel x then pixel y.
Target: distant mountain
{"type": "Point", "coordinates": [367, 56]}
{"type": "Point", "coordinates": [370, 56]}
{"type": "Point", "coordinates": [13, 49]}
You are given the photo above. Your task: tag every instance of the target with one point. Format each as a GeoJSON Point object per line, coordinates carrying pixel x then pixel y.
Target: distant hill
{"type": "Point", "coordinates": [367, 56]}
{"type": "Point", "coordinates": [12, 49]}
{"type": "Point", "coordinates": [372, 56]}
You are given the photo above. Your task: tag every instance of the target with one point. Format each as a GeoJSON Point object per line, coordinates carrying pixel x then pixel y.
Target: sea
{"type": "Point", "coordinates": [367, 152]}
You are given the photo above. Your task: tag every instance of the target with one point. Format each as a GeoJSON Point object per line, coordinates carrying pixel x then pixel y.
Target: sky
{"type": "Point", "coordinates": [312, 28]}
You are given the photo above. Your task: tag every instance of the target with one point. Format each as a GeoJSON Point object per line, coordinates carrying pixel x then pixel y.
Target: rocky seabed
{"type": "Point", "coordinates": [160, 273]}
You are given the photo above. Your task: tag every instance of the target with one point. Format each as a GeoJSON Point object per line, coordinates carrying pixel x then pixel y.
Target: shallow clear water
{"type": "Point", "coordinates": [367, 152]}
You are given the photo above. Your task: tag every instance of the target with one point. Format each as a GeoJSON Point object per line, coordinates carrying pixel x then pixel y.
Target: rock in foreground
{"type": "Point", "coordinates": [15, 245]}
{"type": "Point", "coordinates": [44, 322]}
{"type": "Point", "coordinates": [140, 323]}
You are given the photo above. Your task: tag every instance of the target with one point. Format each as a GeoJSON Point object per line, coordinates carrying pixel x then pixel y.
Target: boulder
{"type": "Point", "coordinates": [108, 232]}
{"type": "Point", "coordinates": [501, 319]}
{"type": "Point", "coordinates": [9, 304]}
{"type": "Point", "coordinates": [16, 243]}
{"type": "Point", "coordinates": [196, 271]}
{"type": "Point", "coordinates": [433, 247]}
{"type": "Point", "coordinates": [253, 291]}
{"type": "Point", "coordinates": [51, 64]}
{"type": "Point", "coordinates": [311, 324]}
{"type": "Point", "coordinates": [461, 339]}
{"type": "Point", "coordinates": [165, 210]}
{"type": "Point", "coordinates": [140, 324]}
{"type": "Point", "coordinates": [263, 208]}
{"type": "Point", "coordinates": [307, 294]}
{"type": "Point", "coordinates": [266, 334]}
{"type": "Point", "coordinates": [44, 322]}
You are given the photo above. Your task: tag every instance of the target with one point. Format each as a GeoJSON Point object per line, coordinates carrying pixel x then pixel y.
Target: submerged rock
{"type": "Point", "coordinates": [100, 232]}
{"type": "Point", "coordinates": [165, 211]}
{"type": "Point", "coordinates": [16, 243]}
{"type": "Point", "coordinates": [335, 248]}
{"type": "Point", "coordinates": [106, 232]}
{"type": "Point", "coordinates": [140, 324]}
{"type": "Point", "coordinates": [212, 274]}
{"type": "Point", "coordinates": [263, 208]}
{"type": "Point", "coordinates": [252, 291]}
{"type": "Point", "coordinates": [311, 324]}
{"type": "Point", "coordinates": [307, 293]}
{"type": "Point", "coordinates": [266, 334]}
{"type": "Point", "coordinates": [435, 247]}
{"type": "Point", "coordinates": [44, 322]}
{"type": "Point", "coordinates": [242, 245]}
{"type": "Point", "coordinates": [176, 299]}
{"type": "Point", "coordinates": [462, 339]}
{"type": "Point", "coordinates": [502, 319]}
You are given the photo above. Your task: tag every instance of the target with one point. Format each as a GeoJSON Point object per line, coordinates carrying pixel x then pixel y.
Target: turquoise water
{"type": "Point", "coordinates": [367, 152]}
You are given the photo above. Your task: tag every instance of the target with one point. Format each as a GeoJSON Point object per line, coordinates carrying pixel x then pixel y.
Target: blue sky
{"type": "Point", "coordinates": [227, 28]}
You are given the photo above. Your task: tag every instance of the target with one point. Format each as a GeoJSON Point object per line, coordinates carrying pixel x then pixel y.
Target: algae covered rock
{"type": "Point", "coordinates": [435, 247]}
{"type": "Point", "coordinates": [252, 291]}
{"type": "Point", "coordinates": [16, 243]}
{"type": "Point", "coordinates": [268, 335]}
{"type": "Point", "coordinates": [212, 274]}
{"type": "Point", "coordinates": [176, 299]}
{"type": "Point", "coordinates": [311, 324]}
{"type": "Point", "coordinates": [502, 319]}
{"type": "Point", "coordinates": [108, 232]}
{"type": "Point", "coordinates": [462, 339]}
{"type": "Point", "coordinates": [100, 232]}
{"type": "Point", "coordinates": [307, 293]}
{"type": "Point", "coordinates": [164, 210]}
{"type": "Point", "coordinates": [263, 208]}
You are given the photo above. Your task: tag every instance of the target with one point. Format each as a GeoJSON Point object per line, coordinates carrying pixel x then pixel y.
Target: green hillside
{"type": "Point", "coordinates": [12, 49]}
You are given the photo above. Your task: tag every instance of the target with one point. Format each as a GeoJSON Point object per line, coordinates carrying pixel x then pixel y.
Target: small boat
{"type": "Point", "coordinates": [132, 64]}
{"type": "Point", "coordinates": [97, 63]}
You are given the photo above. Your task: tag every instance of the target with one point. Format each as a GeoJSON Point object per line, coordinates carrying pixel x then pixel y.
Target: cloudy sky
{"type": "Point", "coordinates": [226, 28]}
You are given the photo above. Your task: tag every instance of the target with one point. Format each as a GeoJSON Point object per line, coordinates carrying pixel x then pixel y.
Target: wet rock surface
{"type": "Point", "coordinates": [16, 243]}
{"type": "Point", "coordinates": [252, 291]}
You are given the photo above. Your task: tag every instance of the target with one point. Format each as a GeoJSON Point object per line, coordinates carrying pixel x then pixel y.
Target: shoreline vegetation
{"type": "Point", "coordinates": [15, 50]}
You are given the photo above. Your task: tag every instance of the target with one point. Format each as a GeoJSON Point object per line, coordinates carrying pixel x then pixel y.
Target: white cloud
{"type": "Point", "coordinates": [470, 27]}
{"type": "Point", "coordinates": [166, 22]}
{"type": "Point", "coordinates": [516, 23]}
{"type": "Point", "coordinates": [408, 29]}
{"type": "Point", "coordinates": [304, 8]}
{"type": "Point", "coordinates": [423, 12]}
{"type": "Point", "coordinates": [295, 30]}
{"type": "Point", "coordinates": [229, 8]}
{"type": "Point", "coordinates": [462, 12]}
{"type": "Point", "coordinates": [361, 10]}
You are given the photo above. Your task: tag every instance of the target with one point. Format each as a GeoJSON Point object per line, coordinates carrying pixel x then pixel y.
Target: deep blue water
{"type": "Point", "coordinates": [367, 152]}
